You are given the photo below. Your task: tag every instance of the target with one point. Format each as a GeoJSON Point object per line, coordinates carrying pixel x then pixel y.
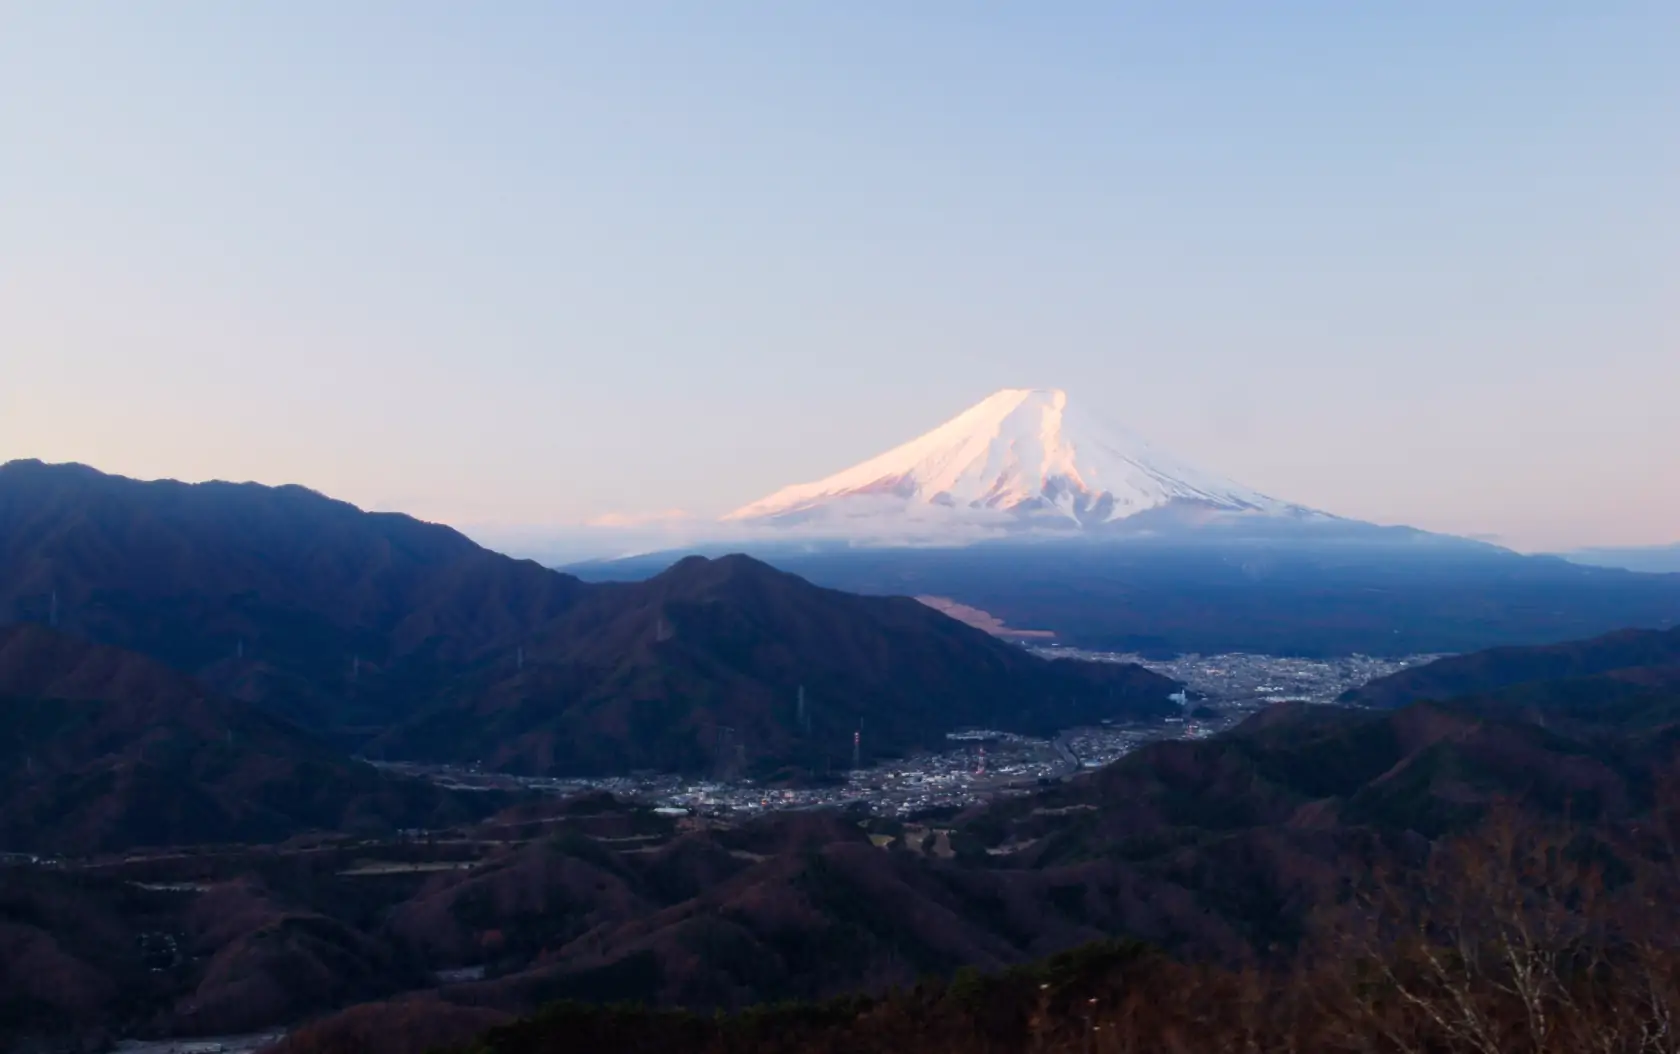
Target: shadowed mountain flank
{"type": "Point", "coordinates": [103, 750]}
{"type": "Point", "coordinates": [713, 654]}
{"type": "Point", "coordinates": [407, 640]}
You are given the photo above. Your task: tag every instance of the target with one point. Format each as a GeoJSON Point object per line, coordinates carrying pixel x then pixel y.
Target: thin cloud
{"type": "Point", "coordinates": [639, 519]}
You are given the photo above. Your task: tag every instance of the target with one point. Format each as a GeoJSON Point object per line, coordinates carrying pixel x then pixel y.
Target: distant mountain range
{"type": "Point", "coordinates": [1399, 593]}
{"type": "Point", "coordinates": [408, 640]}
{"type": "Point", "coordinates": [1654, 559]}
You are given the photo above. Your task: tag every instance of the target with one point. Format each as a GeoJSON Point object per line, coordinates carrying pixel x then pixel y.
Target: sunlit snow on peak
{"type": "Point", "coordinates": [1023, 456]}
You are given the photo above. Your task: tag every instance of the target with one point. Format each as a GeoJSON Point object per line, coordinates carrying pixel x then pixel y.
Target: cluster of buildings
{"type": "Point", "coordinates": [977, 764]}
{"type": "Point", "coordinates": [1256, 680]}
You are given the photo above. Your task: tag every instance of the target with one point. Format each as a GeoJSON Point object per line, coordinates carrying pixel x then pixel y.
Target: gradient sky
{"type": "Point", "coordinates": [1414, 261]}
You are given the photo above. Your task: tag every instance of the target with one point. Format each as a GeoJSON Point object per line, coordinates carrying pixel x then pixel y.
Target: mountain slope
{"type": "Point", "coordinates": [407, 639]}
{"type": "Point", "coordinates": [1223, 850]}
{"type": "Point", "coordinates": [1268, 824]}
{"type": "Point", "coordinates": [277, 595]}
{"type": "Point", "coordinates": [1631, 656]}
{"type": "Point", "coordinates": [104, 750]}
{"type": "Point", "coordinates": [1394, 592]}
{"type": "Point", "coordinates": [1019, 457]}
{"type": "Point", "coordinates": [710, 656]}
{"type": "Point", "coordinates": [1296, 771]}
{"type": "Point", "coordinates": [1028, 508]}
{"type": "Point", "coordinates": [1226, 849]}
{"type": "Point", "coordinates": [1653, 559]}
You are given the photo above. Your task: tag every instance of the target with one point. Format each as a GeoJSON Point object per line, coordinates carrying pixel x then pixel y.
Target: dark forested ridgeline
{"type": "Point", "coordinates": [407, 640]}
{"type": "Point", "coordinates": [1376, 591]}
{"type": "Point", "coordinates": [1513, 937]}
{"type": "Point", "coordinates": [1300, 879]}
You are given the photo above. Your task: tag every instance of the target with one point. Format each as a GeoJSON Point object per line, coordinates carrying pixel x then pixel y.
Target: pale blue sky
{"type": "Point", "coordinates": [1408, 261]}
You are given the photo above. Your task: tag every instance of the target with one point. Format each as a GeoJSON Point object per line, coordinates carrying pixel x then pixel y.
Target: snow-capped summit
{"type": "Point", "coordinates": [1020, 458]}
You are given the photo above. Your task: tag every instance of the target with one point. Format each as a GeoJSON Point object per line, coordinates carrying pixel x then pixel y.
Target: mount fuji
{"type": "Point", "coordinates": [1021, 461]}
{"type": "Point", "coordinates": [1033, 518]}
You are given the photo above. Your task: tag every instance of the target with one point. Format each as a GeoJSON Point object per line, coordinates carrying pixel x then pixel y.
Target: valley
{"type": "Point", "coordinates": [1245, 679]}
{"type": "Point", "coordinates": [590, 528]}
{"type": "Point", "coordinates": [980, 764]}
{"type": "Point", "coordinates": [272, 762]}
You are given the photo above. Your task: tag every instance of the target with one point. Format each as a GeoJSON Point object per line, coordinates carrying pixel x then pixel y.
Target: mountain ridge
{"type": "Point", "coordinates": [1393, 592]}
{"type": "Point", "coordinates": [1632, 656]}
{"type": "Point", "coordinates": [276, 595]}
{"type": "Point", "coordinates": [381, 631]}
{"type": "Point", "coordinates": [1228, 850]}
{"type": "Point", "coordinates": [741, 640]}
